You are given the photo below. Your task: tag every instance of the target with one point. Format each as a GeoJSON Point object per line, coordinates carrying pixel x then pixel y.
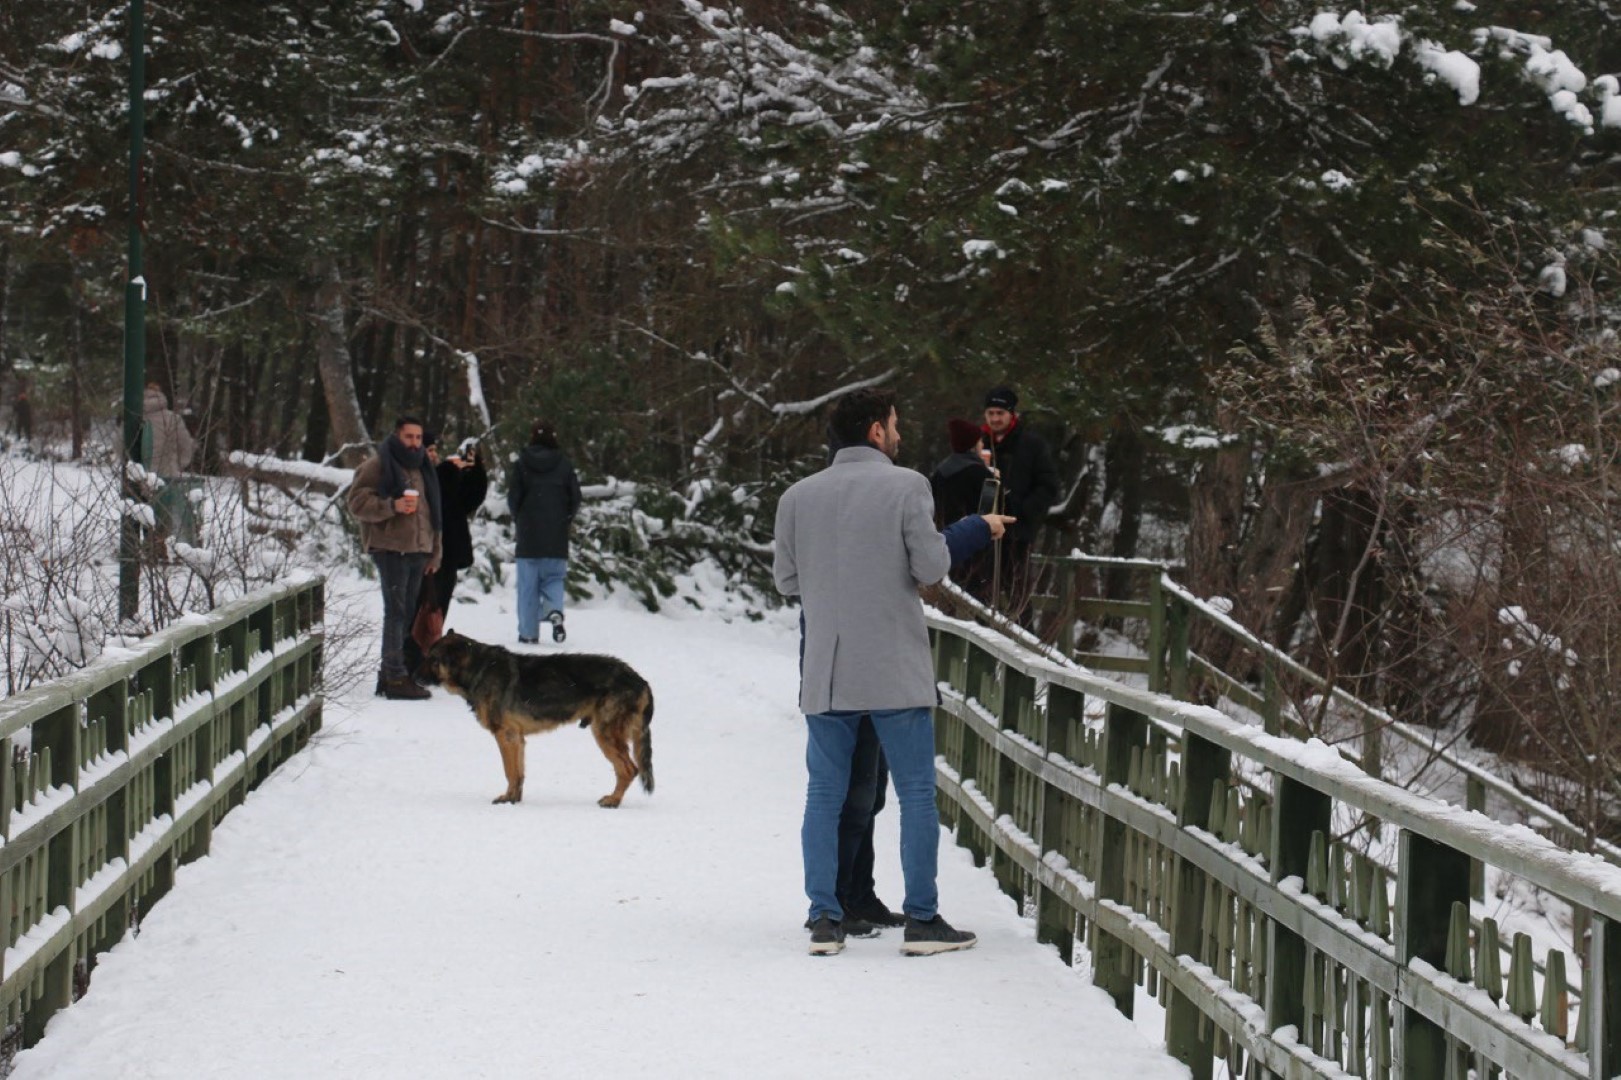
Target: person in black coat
{"type": "Point", "coordinates": [543, 493]}
{"type": "Point", "coordinates": [463, 484]}
{"type": "Point", "coordinates": [1029, 489]}
{"type": "Point", "coordinates": [958, 478]}
{"type": "Point", "coordinates": [956, 483]}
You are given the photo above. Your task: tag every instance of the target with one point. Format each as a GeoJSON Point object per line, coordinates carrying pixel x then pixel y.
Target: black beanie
{"type": "Point", "coordinates": [1002, 397]}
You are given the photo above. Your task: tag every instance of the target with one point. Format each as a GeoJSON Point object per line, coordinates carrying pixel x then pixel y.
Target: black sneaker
{"type": "Point", "coordinates": [559, 635]}
{"type": "Point", "coordinates": [827, 937]}
{"type": "Point", "coordinates": [853, 927]}
{"type": "Point", "coordinates": [873, 911]}
{"type": "Point", "coordinates": [528, 640]}
{"type": "Point", "coordinates": [934, 936]}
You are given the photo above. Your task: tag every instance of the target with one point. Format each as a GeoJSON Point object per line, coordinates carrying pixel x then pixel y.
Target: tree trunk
{"type": "Point", "coordinates": [337, 372]}
{"type": "Point", "coordinates": [1125, 459]}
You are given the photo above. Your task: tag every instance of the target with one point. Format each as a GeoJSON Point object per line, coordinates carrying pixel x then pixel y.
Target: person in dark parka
{"type": "Point", "coordinates": [463, 485]}
{"type": "Point", "coordinates": [543, 493]}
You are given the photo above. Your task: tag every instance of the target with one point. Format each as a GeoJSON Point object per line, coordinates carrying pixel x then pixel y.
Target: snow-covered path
{"type": "Point", "coordinates": [369, 914]}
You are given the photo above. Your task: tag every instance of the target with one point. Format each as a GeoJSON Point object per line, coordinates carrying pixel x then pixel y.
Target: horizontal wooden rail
{"type": "Point", "coordinates": [1119, 817]}
{"type": "Point", "coordinates": [1172, 609]}
{"type": "Point", "coordinates": [112, 777]}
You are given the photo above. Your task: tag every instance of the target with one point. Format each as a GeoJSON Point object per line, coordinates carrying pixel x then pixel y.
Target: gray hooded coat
{"type": "Point", "coordinates": [854, 542]}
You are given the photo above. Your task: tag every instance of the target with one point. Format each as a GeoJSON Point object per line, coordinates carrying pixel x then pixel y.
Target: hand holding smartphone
{"type": "Point", "coordinates": [990, 496]}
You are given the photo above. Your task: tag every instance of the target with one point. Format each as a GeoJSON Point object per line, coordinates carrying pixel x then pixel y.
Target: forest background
{"type": "Point", "coordinates": [1319, 304]}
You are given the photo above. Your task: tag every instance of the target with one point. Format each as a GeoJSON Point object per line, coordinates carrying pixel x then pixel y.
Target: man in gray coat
{"type": "Point", "coordinates": [854, 542]}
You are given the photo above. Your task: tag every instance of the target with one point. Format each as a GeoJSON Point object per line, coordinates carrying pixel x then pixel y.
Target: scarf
{"type": "Point", "coordinates": [396, 457]}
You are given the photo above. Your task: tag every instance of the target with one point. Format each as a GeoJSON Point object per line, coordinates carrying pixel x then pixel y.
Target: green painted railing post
{"type": "Point", "coordinates": [1475, 799]}
{"type": "Point", "coordinates": [1430, 878]}
{"type": "Point", "coordinates": [1156, 633]}
{"type": "Point", "coordinates": [1065, 731]}
{"type": "Point", "coordinates": [1176, 647]}
{"type": "Point", "coordinates": [1018, 695]}
{"type": "Point", "coordinates": [1205, 771]}
{"type": "Point", "coordinates": [1298, 811]}
{"type": "Point", "coordinates": [1271, 699]}
{"type": "Point", "coordinates": [1603, 1010]}
{"type": "Point", "coordinates": [1123, 732]}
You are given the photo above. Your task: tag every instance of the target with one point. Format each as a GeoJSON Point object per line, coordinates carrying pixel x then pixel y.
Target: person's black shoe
{"type": "Point", "coordinates": [528, 640]}
{"type": "Point", "coordinates": [934, 936]}
{"type": "Point", "coordinates": [875, 912]}
{"type": "Point", "coordinates": [379, 690]}
{"type": "Point", "coordinates": [403, 689]}
{"type": "Point", "coordinates": [853, 927]}
{"type": "Point", "coordinates": [559, 635]}
{"type": "Point", "coordinates": [827, 937]}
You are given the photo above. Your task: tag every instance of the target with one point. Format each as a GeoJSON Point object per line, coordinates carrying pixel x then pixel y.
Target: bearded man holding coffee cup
{"type": "Point", "coordinates": [395, 498]}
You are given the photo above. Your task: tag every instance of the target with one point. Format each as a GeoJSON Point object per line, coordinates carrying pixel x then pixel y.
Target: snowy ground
{"type": "Point", "coordinates": [368, 914]}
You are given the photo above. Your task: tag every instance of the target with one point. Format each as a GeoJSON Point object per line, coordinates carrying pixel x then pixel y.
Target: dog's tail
{"type": "Point", "coordinates": [644, 752]}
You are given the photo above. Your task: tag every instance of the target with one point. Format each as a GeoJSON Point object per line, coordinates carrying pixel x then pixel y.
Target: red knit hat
{"type": "Point", "coordinates": [963, 435]}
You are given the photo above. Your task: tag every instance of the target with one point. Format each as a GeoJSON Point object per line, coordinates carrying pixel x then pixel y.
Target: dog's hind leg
{"type": "Point", "coordinates": [610, 741]}
{"type": "Point", "coordinates": [510, 740]}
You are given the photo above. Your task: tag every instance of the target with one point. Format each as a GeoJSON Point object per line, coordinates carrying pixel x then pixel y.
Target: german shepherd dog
{"type": "Point", "coordinates": [515, 695]}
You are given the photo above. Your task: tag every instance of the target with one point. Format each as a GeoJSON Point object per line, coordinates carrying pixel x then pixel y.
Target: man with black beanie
{"type": "Point", "coordinates": [1029, 488]}
{"type": "Point", "coordinates": [395, 497]}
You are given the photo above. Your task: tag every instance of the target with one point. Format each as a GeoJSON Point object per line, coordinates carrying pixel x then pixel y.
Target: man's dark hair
{"type": "Point", "coordinates": [402, 421]}
{"type": "Point", "coordinates": [856, 412]}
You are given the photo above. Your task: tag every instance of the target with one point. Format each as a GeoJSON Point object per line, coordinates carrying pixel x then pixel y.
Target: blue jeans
{"type": "Point", "coordinates": [540, 592]}
{"type": "Point", "coordinates": [907, 737]}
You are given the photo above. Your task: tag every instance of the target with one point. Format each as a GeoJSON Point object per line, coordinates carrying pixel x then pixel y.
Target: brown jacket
{"type": "Point", "coordinates": [381, 528]}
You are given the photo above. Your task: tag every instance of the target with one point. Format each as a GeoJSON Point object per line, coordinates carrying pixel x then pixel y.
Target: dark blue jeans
{"type": "Point", "coordinates": [401, 578]}
{"type": "Point", "coordinates": [869, 776]}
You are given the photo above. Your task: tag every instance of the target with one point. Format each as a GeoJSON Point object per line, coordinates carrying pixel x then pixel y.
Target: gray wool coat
{"type": "Point", "coordinates": [854, 542]}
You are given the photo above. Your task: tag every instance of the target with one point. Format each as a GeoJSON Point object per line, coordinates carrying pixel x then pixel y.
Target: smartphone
{"type": "Point", "coordinates": [990, 496]}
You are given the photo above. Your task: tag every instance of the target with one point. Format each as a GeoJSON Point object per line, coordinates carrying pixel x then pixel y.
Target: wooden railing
{"type": "Point", "coordinates": [1168, 613]}
{"type": "Point", "coordinates": [112, 777]}
{"type": "Point", "coordinates": [1200, 860]}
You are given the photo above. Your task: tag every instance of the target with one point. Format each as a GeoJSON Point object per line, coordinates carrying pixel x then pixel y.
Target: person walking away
{"type": "Point", "coordinates": [867, 653]}
{"type": "Point", "coordinates": [463, 485]}
{"type": "Point", "coordinates": [169, 449]}
{"type": "Point", "coordinates": [543, 493]}
{"type": "Point", "coordinates": [1029, 488]}
{"type": "Point", "coordinates": [395, 497]}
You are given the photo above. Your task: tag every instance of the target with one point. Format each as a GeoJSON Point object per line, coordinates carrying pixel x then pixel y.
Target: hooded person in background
{"type": "Point", "coordinates": [1029, 489]}
{"type": "Point", "coordinates": [543, 493]}
{"type": "Point", "coordinates": [395, 497]}
{"type": "Point", "coordinates": [463, 485]}
{"type": "Point", "coordinates": [169, 449]}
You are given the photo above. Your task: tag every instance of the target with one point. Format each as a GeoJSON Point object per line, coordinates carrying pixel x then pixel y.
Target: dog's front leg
{"type": "Point", "coordinates": [510, 741]}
